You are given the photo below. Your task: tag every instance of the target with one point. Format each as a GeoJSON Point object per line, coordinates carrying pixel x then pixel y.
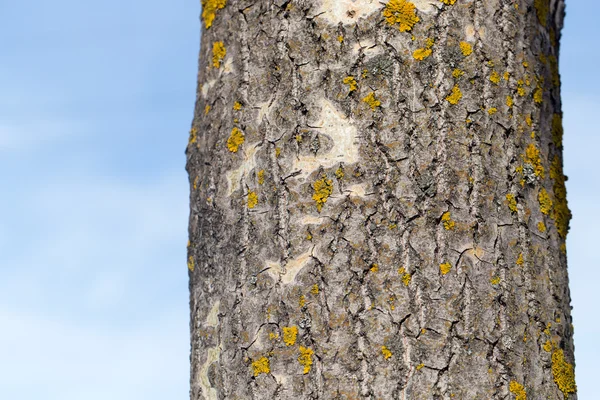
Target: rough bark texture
{"type": "Point", "coordinates": [377, 202]}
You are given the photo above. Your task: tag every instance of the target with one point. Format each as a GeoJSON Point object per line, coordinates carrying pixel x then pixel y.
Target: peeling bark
{"type": "Point", "coordinates": [385, 198]}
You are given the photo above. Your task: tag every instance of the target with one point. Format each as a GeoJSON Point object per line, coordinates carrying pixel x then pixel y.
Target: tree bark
{"type": "Point", "coordinates": [378, 208]}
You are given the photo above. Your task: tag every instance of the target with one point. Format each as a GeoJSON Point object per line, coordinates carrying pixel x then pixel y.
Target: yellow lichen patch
{"type": "Point", "coordinates": [261, 366]}
{"type": "Point", "coordinates": [457, 73]}
{"type": "Point", "coordinates": [495, 77]}
{"type": "Point", "coordinates": [448, 2]}
{"type": "Point", "coordinates": [191, 263]}
{"type": "Point", "coordinates": [206, 109]}
{"type": "Point", "coordinates": [456, 95]}
{"type": "Point", "coordinates": [421, 54]}
{"type": "Point", "coordinates": [445, 268]}
{"type": "Point", "coordinates": [305, 358]}
{"type": "Point", "coordinates": [512, 202]}
{"type": "Point", "coordinates": [339, 173]}
{"type": "Point", "coordinates": [541, 226]}
{"type": "Point", "coordinates": [538, 95]}
{"type": "Point", "coordinates": [252, 199]}
{"type": "Point", "coordinates": [323, 189]}
{"type": "Point", "coordinates": [520, 260]}
{"type": "Point", "coordinates": [466, 48]}
{"type": "Point", "coordinates": [193, 135]}
{"type": "Point", "coordinates": [209, 10]}
{"type": "Point", "coordinates": [492, 110]}
{"type": "Point", "coordinates": [520, 87]}
{"type": "Point", "coordinates": [219, 53]}
{"type": "Point", "coordinates": [447, 220]}
{"type": "Point", "coordinates": [401, 270]}
{"type": "Point", "coordinates": [386, 352]}
{"type": "Point", "coordinates": [315, 289]}
{"type": "Point", "coordinates": [374, 267]}
{"type": "Point", "coordinates": [509, 101]}
{"type": "Point", "coordinates": [528, 120]}
{"type": "Point", "coordinates": [545, 201]}
{"type": "Point", "coordinates": [532, 157]}
{"type": "Point", "coordinates": [548, 346]}
{"type": "Point", "coordinates": [289, 335]}
{"type": "Point", "coordinates": [273, 336]}
{"type": "Point", "coordinates": [372, 101]}
{"type": "Point", "coordinates": [557, 130]}
{"type": "Point", "coordinates": [401, 13]}
{"type": "Point", "coordinates": [340, 38]}
{"type": "Point", "coordinates": [237, 106]}
{"type": "Point", "coordinates": [542, 8]}
{"type": "Point", "coordinates": [302, 301]}
{"type": "Point", "coordinates": [561, 213]}
{"type": "Point", "coordinates": [236, 139]}
{"type": "Point", "coordinates": [351, 82]}
{"type": "Point", "coordinates": [518, 390]}
{"type": "Point", "coordinates": [406, 278]}
{"type": "Point", "coordinates": [261, 176]}
{"type": "Point", "coordinates": [495, 280]}
{"type": "Point", "coordinates": [563, 372]}
{"type": "Point", "coordinates": [420, 366]}
{"type": "Point", "coordinates": [277, 151]}
{"type": "Point", "coordinates": [506, 75]}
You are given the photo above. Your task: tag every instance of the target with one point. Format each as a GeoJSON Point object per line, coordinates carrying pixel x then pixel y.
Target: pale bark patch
{"type": "Point", "coordinates": [234, 176]}
{"type": "Point", "coordinates": [212, 355]}
{"type": "Point", "coordinates": [291, 268]}
{"type": "Point", "coordinates": [212, 319]}
{"type": "Point", "coordinates": [347, 11]}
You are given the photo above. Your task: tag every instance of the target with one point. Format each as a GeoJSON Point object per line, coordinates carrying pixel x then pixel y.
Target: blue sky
{"type": "Point", "coordinates": [95, 108]}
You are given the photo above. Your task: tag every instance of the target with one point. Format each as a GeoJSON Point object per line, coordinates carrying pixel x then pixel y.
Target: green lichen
{"type": "Point", "coordinates": [401, 13]}
{"type": "Point", "coordinates": [563, 372]}
{"type": "Point", "coordinates": [557, 130]}
{"type": "Point", "coordinates": [289, 335]}
{"type": "Point", "coordinates": [561, 213]}
{"type": "Point", "coordinates": [209, 10]}
{"type": "Point", "coordinates": [542, 8]}
{"type": "Point", "coordinates": [323, 189]}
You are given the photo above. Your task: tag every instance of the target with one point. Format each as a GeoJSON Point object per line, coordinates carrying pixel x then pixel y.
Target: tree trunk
{"type": "Point", "coordinates": [378, 208]}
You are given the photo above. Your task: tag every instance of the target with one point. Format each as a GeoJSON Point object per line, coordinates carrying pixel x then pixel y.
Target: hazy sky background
{"type": "Point", "coordinates": [95, 109]}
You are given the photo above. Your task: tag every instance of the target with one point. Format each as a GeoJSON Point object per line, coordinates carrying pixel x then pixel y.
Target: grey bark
{"type": "Point", "coordinates": [415, 244]}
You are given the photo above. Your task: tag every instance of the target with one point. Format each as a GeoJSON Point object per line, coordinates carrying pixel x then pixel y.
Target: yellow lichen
{"type": "Point", "coordinates": [545, 201]}
{"type": "Point", "coordinates": [528, 120]}
{"type": "Point", "coordinates": [209, 10]}
{"type": "Point", "coordinates": [351, 82]}
{"type": "Point", "coordinates": [315, 289]}
{"type": "Point", "coordinates": [289, 335]}
{"type": "Point", "coordinates": [252, 199]}
{"type": "Point", "coordinates": [277, 151]}
{"type": "Point", "coordinates": [219, 53]}
{"type": "Point", "coordinates": [506, 75]}
{"type": "Point", "coordinates": [561, 214]}
{"type": "Point", "coordinates": [520, 260]}
{"type": "Point", "coordinates": [302, 301]}
{"type": "Point", "coordinates": [206, 109]}
{"type": "Point", "coordinates": [386, 352]}
{"type": "Point", "coordinates": [543, 8]}
{"type": "Point", "coordinates": [495, 280]}
{"type": "Point", "coordinates": [548, 346]}
{"type": "Point", "coordinates": [448, 2]}
{"type": "Point", "coordinates": [191, 263]}
{"type": "Point", "coordinates": [557, 130]}
{"type": "Point", "coordinates": [518, 390]}
{"type": "Point", "coordinates": [236, 139]}
{"type": "Point", "coordinates": [541, 226]}
{"type": "Point", "coordinates": [445, 268]}
{"type": "Point", "coordinates": [374, 267]}
{"type": "Point", "coordinates": [457, 73]}
{"type": "Point", "coordinates": [447, 220]}
{"type": "Point", "coordinates": [532, 157]}
{"type": "Point", "coordinates": [509, 101]}
{"type": "Point", "coordinates": [420, 366]}
{"type": "Point", "coordinates": [237, 106]}
{"type": "Point", "coordinates": [421, 54]}
{"type": "Point", "coordinates": [323, 189]}
{"type": "Point", "coordinates": [466, 48]}
{"type": "Point", "coordinates": [261, 366]}
{"type": "Point", "coordinates": [273, 336]}
{"type": "Point", "coordinates": [193, 135]}
{"type": "Point", "coordinates": [492, 110]}
{"type": "Point", "coordinates": [372, 101]}
{"type": "Point", "coordinates": [339, 173]}
{"type": "Point", "coordinates": [406, 278]}
{"type": "Point", "coordinates": [305, 358]}
{"type": "Point", "coordinates": [340, 38]}
{"type": "Point", "coordinates": [538, 95]}
{"type": "Point", "coordinates": [495, 77]}
{"type": "Point", "coordinates": [520, 88]}
{"type": "Point", "coordinates": [261, 176]}
{"type": "Point", "coordinates": [512, 202]}
{"type": "Point", "coordinates": [401, 13]}
{"type": "Point", "coordinates": [563, 372]}
{"type": "Point", "coordinates": [456, 95]}
{"type": "Point", "coordinates": [401, 270]}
